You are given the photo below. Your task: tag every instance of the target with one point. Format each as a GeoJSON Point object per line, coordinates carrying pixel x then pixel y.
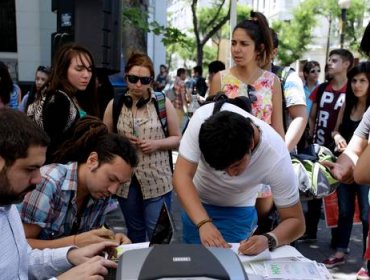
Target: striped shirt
{"type": "Point", "coordinates": [52, 205]}
{"type": "Point", "coordinates": [18, 260]}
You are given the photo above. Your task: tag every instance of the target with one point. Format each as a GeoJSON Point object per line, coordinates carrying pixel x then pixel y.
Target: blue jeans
{"type": "Point", "coordinates": [234, 223]}
{"type": "Point", "coordinates": [346, 202]}
{"type": "Point", "coordinates": [141, 215]}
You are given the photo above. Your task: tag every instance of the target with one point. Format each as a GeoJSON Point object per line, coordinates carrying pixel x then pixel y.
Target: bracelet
{"type": "Point", "coordinates": [202, 222]}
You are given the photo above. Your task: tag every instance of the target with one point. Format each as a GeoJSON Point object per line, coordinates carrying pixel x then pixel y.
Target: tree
{"type": "Point", "coordinates": [213, 23]}
{"type": "Point", "coordinates": [296, 35]}
{"type": "Point", "coordinates": [205, 14]}
{"type": "Point", "coordinates": [135, 26]}
{"type": "Point", "coordinates": [133, 35]}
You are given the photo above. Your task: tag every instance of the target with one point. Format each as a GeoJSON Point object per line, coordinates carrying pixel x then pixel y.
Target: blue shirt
{"type": "Point", "coordinates": [13, 102]}
{"type": "Point", "coordinates": [52, 205]}
{"type": "Point", "coordinates": [307, 93]}
{"type": "Point", "coordinates": [18, 260]}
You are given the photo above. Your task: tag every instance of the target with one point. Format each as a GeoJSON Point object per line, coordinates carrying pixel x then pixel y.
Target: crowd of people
{"type": "Point", "coordinates": [71, 148]}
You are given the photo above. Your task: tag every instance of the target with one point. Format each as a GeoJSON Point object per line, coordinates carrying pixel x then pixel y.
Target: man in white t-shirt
{"type": "Point", "coordinates": [223, 157]}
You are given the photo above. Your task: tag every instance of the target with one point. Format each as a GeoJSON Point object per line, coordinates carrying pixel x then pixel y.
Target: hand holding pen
{"type": "Point", "coordinates": [98, 235]}
{"type": "Point", "coordinates": [252, 245]}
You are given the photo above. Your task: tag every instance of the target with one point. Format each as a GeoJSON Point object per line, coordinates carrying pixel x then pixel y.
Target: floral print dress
{"type": "Point", "coordinates": [233, 87]}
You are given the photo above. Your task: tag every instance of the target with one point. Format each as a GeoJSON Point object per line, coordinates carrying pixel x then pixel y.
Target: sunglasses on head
{"type": "Point", "coordinates": [313, 71]}
{"type": "Point", "coordinates": [43, 69]}
{"type": "Point", "coordinates": [143, 80]}
{"type": "Point", "coordinates": [252, 93]}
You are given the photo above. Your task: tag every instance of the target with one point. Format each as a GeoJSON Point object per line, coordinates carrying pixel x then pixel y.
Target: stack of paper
{"type": "Point", "coordinates": [285, 262]}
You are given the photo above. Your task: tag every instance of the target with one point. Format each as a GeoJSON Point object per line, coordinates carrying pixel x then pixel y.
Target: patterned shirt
{"type": "Point", "coordinates": [154, 171]}
{"type": "Point", "coordinates": [52, 205]}
{"type": "Point", "coordinates": [262, 108]}
{"type": "Point", "coordinates": [18, 260]}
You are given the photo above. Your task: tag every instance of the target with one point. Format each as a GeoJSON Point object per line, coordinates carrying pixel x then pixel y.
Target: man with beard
{"type": "Point", "coordinates": [22, 152]}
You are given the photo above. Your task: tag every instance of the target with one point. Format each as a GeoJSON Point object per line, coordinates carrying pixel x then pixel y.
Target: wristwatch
{"type": "Point", "coordinates": [271, 241]}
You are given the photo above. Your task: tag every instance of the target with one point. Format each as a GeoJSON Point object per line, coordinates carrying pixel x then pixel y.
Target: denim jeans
{"type": "Point", "coordinates": [234, 223]}
{"type": "Point", "coordinates": [346, 202]}
{"type": "Point", "coordinates": [141, 215]}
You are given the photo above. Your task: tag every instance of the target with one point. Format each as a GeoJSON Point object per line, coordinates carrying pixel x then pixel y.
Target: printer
{"type": "Point", "coordinates": [180, 261]}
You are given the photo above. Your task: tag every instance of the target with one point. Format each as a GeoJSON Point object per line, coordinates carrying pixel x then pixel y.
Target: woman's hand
{"type": "Point", "coordinates": [148, 146]}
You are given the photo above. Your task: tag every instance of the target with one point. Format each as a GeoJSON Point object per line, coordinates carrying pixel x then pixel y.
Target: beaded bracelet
{"type": "Point", "coordinates": [202, 222]}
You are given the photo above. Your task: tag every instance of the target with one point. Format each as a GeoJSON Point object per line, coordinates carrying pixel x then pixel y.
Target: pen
{"type": "Point", "coordinates": [251, 233]}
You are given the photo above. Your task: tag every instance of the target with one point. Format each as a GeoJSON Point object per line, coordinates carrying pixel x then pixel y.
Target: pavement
{"type": "Point", "coordinates": [317, 251]}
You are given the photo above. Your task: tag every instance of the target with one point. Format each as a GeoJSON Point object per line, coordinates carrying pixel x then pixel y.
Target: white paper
{"type": "Point", "coordinates": [306, 270]}
{"type": "Point", "coordinates": [128, 247]}
{"type": "Point", "coordinates": [264, 255]}
{"type": "Point", "coordinates": [285, 252]}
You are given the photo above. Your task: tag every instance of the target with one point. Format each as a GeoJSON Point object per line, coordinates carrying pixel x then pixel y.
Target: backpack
{"type": "Point", "coordinates": [160, 107]}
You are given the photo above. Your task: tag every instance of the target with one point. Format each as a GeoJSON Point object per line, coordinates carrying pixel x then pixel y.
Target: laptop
{"type": "Point", "coordinates": [164, 228]}
{"type": "Point", "coordinates": [162, 234]}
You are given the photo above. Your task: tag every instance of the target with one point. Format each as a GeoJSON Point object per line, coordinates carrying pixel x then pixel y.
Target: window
{"type": "Point", "coordinates": [8, 28]}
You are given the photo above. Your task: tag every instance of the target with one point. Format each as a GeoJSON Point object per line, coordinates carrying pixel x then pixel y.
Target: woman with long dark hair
{"type": "Point", "coordinates": [41, 76]}
{"type": "Point", "coordinates": [68, 95]}
{"type": "Point", "coordinates": [350, 115]}
{"type": "Point", "coordinates": [10, 93]}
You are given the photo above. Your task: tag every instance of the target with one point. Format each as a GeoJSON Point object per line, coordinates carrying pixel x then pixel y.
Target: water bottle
{"type": "Point", "coordinates": [194, 104]}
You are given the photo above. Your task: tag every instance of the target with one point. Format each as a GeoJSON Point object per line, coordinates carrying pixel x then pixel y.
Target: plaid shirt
{"type": "Point", "coordinates": [52, 205]}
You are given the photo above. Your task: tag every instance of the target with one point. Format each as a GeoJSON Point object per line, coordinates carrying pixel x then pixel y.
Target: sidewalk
{"type": "Point", "coordinates": [320, 251]}
{"type": "Point", "coordinates": [317, 251]}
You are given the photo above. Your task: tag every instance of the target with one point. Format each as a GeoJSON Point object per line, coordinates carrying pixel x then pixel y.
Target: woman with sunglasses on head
{"type": "Point", "coordinates": [41, 76]}
{"type": "Point", "coordinates": [251, 49]}
{"type": "Point", "coordinates": [68, 94]}
{"type": "Point", "coordinates": [140, 119]}
{"type": "Point", "coordinates": [311, 72]}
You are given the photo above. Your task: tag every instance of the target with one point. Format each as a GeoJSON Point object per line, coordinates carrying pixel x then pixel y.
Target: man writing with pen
{"type": "Point", "coordinates": [69, 206]}
{"type": "Point", "coordinates": [223, 157]}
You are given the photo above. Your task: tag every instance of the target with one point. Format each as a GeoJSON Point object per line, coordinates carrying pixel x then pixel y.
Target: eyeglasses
{"type": "Point", "coordinates": [143, 80]}
{"type": "Point", "coordinates": [315, 70]}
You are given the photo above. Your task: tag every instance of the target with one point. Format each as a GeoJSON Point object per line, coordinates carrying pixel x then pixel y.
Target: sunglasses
{"type": "Point", "coordinates": [143, 80]}
{"type": "Point", "coordinates": [313, 71]}
{"type": "Point", "coordinates": [252, 94]}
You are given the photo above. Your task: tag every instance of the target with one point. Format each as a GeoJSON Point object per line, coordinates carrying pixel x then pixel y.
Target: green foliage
{"type": "Point", "coordinates": [139, 18]}
{"type": "Point", "coordinates": [296, 34]}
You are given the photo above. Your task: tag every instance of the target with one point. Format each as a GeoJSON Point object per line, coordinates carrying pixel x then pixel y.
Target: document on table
{"type": "Point", "coordinates": [285, 269]}
{"type": "Point", "coordinates": [264, 255]}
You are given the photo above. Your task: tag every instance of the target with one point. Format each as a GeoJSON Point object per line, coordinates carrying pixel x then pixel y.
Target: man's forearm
{"type": "Point", "coordinates": [56, 243]}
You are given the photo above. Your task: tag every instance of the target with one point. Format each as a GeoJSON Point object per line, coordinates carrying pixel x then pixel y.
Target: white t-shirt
{"type": "Point", "coordinates": [270, 164]}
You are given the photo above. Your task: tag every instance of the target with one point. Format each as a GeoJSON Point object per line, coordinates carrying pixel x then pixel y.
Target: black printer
{"type": "Point", "coordinates": [180, 261]}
